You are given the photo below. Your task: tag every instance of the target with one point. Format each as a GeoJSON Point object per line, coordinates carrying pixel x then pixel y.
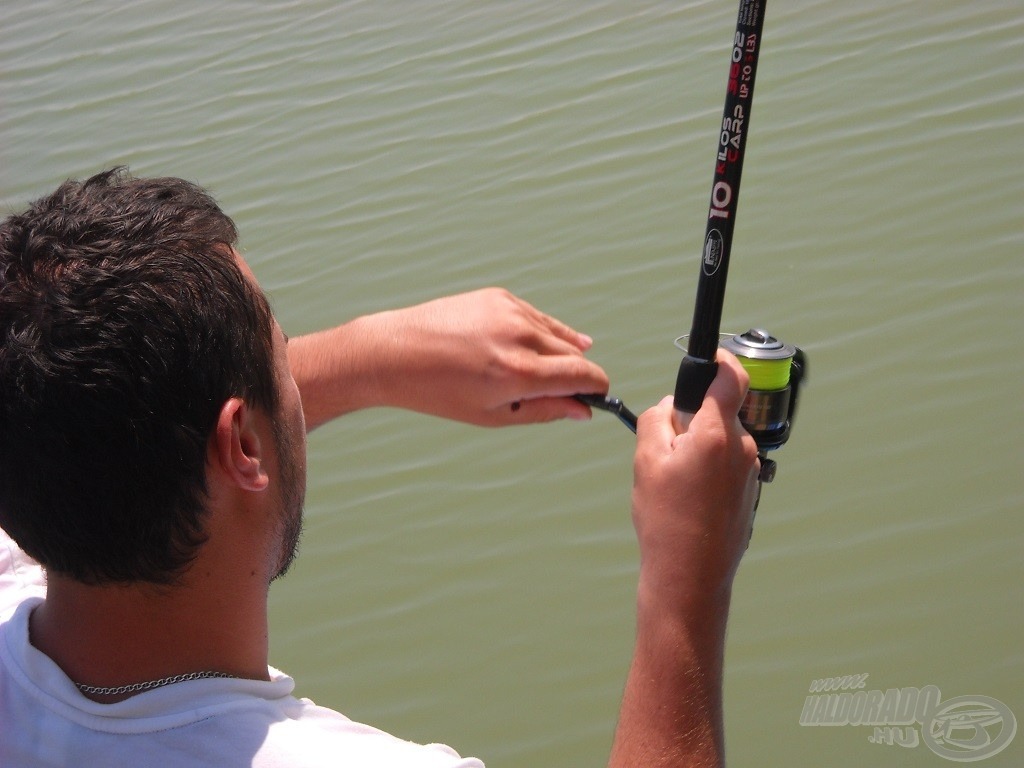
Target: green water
{"type": "Point", "coordinates": [475, 587]}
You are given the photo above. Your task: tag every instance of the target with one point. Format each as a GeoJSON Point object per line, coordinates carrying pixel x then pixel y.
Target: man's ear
{"type": "Point", "coordinates": [237, 446]}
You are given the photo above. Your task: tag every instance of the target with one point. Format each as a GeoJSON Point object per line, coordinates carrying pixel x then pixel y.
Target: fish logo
{"type": "Point", "coordinates": [714, 251]}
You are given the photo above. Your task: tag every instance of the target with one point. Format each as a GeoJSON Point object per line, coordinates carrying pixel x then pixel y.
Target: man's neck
{"type": "Point", "coordinates": [109, 636]}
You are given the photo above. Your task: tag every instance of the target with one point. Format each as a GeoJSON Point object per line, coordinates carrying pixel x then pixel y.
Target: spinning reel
{"type": "Point", "coordinates": [776, 372]}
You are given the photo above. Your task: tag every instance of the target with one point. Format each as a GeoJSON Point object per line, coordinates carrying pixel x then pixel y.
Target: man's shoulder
{"type": "Point", "coordinates": [316, 736]}
{"type": "Point", "coordinates": [21, 577]}
{"type": "Point", "coordinates": [273, 733]}
{"type": "Point", "coordinates": [216, 721]}
{"type": "Point", "coordinates": [205, 722]}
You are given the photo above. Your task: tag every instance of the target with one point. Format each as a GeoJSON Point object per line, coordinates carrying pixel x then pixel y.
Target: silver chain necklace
{"type": "Point", "coordinates": [95, 690]}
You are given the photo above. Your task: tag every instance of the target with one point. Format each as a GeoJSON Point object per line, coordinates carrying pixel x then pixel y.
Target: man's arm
{"type": "Point", "coordinates": [693, 501]}
{"type": "Point", "coordinates": [486, 358]}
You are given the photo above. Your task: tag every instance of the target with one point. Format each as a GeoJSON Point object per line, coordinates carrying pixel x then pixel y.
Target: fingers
{"type": "Point", "coordinates": [502, 361]}
{"type": "Point", "coordinates": [542, 410]}
{"type": "Point", "coordinates": [655, 427]}
{"type": "Point", "coordinates": [542, 358]}
{"type": "Point", "coordinates": [538, 331]}
{"type": "Point", "coordinates": [560, 376]}
{"type": "Point", "coordinates": [554, 334]}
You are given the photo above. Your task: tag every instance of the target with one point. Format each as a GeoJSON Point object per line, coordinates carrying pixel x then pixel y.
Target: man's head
{"type": "Point", "coordinates": [126, 322]}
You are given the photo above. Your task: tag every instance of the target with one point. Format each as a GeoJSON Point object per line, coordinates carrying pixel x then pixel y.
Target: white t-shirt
{"type": "Point", "coordinates": [20, 576]}
{"type": "Point", "coordinates": [222, 722]}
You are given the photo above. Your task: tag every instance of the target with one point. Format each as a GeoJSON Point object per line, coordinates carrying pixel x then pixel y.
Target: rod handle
{"type": "Point", "coordinates": [692, 382]}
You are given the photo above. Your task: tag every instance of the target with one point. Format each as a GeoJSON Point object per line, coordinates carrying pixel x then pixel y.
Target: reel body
{"type": "Point", "coordinates": [776, 371]}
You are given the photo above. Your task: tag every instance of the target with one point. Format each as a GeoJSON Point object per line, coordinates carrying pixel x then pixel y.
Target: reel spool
{"type": "Point", "coordinates": [776, 371]}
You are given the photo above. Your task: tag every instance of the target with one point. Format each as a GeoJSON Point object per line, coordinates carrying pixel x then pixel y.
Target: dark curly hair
{"type": "Point", "coordinates": [125, 323]}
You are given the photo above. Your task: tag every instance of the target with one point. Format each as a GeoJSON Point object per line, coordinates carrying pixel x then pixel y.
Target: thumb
{"type": "Point", "coordinates": [725, 395]}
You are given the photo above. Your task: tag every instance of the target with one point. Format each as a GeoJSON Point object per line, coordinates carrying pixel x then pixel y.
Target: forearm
{"type": "Point", "coordinates": [671, 711]}
{"type": "Point", "coordinates": [343, 369]}
{"type": "Point", "coordinates": [693, 502]}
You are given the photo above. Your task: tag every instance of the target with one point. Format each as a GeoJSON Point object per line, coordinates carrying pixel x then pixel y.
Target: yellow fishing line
{"type": "Point", "coordinates": [767, 375]}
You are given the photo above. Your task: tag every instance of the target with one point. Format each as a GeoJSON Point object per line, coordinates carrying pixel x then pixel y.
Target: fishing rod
{"type": "Point", "coordinates": [776, 369]}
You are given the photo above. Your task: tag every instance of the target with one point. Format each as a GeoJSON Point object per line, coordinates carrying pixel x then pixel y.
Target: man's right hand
{"type": "Point", "coordinates": [694, 493]}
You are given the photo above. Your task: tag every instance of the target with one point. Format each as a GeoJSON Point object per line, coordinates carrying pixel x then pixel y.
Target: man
{"type": "Point", "coordinates": [152, 459]}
